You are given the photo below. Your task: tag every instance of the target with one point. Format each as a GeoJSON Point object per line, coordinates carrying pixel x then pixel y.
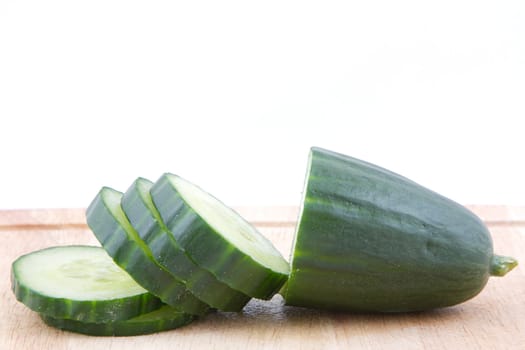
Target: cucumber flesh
{"type": "Point", "coordinates": [116, 234]}
{"type": "Point", "coordinates": [162, 319]}
{"type": "Point", "coordinates": [80, 283]}
{"type": "Point", "coordinates": [218, 239]}
{"type": "Point", "coordinates": [143, 215]}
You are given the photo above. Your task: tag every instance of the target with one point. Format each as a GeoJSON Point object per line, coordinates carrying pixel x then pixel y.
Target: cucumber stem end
{"type": "Point", "coordinates": [500, 265]}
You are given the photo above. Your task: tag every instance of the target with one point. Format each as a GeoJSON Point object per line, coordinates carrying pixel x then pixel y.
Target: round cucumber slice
{"type": "Point", "coordinates": [163, 319]}
{"type": "Point", "coordinates": [218, 239]}
{"type": "Point", "coordinates": [80, 283]}
{"type": "Point", "coordinates": [114, 231]}
{"type": "Point", "coordinates": [143, 215]}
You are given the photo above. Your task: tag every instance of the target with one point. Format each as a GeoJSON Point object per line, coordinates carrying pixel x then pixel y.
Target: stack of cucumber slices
{"type": "Point", "coordinates": [367, 239]}
{"type": "Point", "coordinates": [170, 253]}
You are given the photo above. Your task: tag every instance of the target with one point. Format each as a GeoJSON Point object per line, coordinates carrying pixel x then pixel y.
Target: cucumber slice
{"type": "Point", "coordinates": [218, 239]}
{"type": "Point", "coordinates": [80, 283]}
{"type": "Point", "coordinates": [145, 218]}
{"type": "Point", "coordinates": [112, 228]}
{"type": "Point", "coordinates": [163, 319]}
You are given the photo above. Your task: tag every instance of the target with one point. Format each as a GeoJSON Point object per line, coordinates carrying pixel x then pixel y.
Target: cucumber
{"type": "Point", "coordinates": [218, 239]}
{"type": "Point", "coordinates": [369, 239]}
{"type": "Point", "coordinates": [141, 212]}
{"type": "Point", "coordinates": [112, 228]}
{"type": "Point", "coordinates": [80, 283]}
{"type": "Point", "coordinates": [162, 319]}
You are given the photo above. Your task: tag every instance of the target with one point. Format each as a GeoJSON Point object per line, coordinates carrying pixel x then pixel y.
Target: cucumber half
{"type": "Point", "coordinates": [114, 231]}
{"type": "Point", "coordinates": [162, 319]}
{"type": "Point", "coordinates": [80, 283]}
{"type": "Point", "coordinates": [370, 240]}
{"type": "Point", "coordinates": [218, 239]}
{"type": "Point", "coordinates": [143, 215]}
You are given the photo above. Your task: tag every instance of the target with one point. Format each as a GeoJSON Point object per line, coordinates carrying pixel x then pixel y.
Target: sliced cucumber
{"type": "Point", "coordinates": [112, 228]}
{"type": "Point", "coordinates": [80, 283]}
{"type": "Point", "coordinates": [162, 319]}
{"type": "Point", "coordinates": [145, 218]}
{"type": "Point", "coordinates": [218, 239]}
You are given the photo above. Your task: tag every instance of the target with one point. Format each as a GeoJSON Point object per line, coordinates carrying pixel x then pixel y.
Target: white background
{"type": "Point", "coordinates": [231, 95]}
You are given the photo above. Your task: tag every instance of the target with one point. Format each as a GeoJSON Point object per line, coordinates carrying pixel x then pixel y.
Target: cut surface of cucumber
{"type": "Point", "coordinates": [80, 283]}
{"type": "Point", "coordinates": [162, 319]}
{"type": "Point", "coordinates": [112, 228]}
{"type": "Point", "coordinates": [143, 215]}
{"type": "Point", "coordinates": [218, 239]}
{"type": "Point", "coordinates": [140, 210]}
{"type": "Point", "coordinates": [231, 226]}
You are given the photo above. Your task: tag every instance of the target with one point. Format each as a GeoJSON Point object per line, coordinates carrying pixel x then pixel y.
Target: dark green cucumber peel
{"type": "Point", "coordinates": [80, 283]}
{"type": "Point", "coordinates": [163, 319]}
{"type": "Point", "coordinates": [143, 215]}
{"type": "Point", "coordinates": [112, 228]}
{"type": "Point", "coordinates": [258, 273]}
{"type": "Point", "coordinates": [371, 240]}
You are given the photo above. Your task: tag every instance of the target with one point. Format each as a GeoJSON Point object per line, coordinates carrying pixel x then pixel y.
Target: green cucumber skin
{"type": "Point", "coordinates": [138, 212]}
{"type": "Point", "coordinates": [170, 255]}
{"type": "Point", "coordinates": [83, 310]}
{"type": "Point", "coordinates": [235, 269]}
{"type": "Point", "coordinates": [153, 231]}
{"type": "Point", "coordinates": [163, 319]}
{"type": "Point", "coordinates": [137, 259]}
{"type": "Point", "coordinates": [199, 281]}
{"type": "Point", "coordinates": [371, 240]}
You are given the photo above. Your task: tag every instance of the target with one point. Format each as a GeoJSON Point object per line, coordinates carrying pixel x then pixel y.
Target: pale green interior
{"type": "Point", "coordinates": [305, 190]}
{"type": "Point", "coordinates": [112, 199]}
{"type": "Point", "coordinates": [77, 273]}
{"type": "Point", "coordinates": [231, 226]}
{"type": "Point", "coordinates": [144, 186]}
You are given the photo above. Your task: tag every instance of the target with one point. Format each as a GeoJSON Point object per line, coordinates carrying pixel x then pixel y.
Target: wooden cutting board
{"type": "Point", "coordinates": [495, 319]}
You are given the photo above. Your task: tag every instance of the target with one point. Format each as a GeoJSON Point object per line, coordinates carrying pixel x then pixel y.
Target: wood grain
{"type": "Point", "coordinates": [495, 319]}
